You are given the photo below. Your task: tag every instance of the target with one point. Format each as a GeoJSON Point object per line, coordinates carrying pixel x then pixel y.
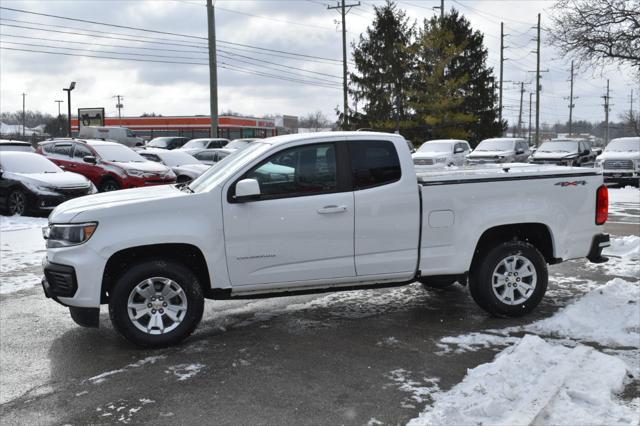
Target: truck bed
{"type": "Point", "coordinates": [498, 172]}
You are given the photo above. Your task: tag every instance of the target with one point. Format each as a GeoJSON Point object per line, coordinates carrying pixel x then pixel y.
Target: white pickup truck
{"type": "Point", "coordinates": [312, 213]}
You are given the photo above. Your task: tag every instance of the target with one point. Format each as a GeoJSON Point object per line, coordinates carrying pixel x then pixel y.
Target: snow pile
{"type": "Point", "coordinates": [419, 391]}
{"type": "Point", "coordinates": [609, 315]}
{"type": "Point", "coordinates": [624, 257]}
{"type": "Point", "coordinates": [535, 382]}
{"type": "Point", "coordinates": [17, 223]}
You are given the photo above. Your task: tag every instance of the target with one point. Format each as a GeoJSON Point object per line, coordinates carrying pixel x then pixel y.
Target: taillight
{"type": "Point", "coordinates": [602, 205]}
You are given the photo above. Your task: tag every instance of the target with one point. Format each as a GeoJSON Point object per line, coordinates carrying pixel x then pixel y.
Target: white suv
{"type": "Point", "coordinates": [442, 152]}
{"type": "Point", "coordinates": [620, 161]}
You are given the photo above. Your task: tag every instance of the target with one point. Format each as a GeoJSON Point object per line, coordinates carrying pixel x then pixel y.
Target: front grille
{"type": "Point", "coordinates": [61, 279]}
{"type": "Point", "coordinates": [618, 164]}
{"type": "Point", "coordinates": [74, 192]}
{"type": "Point", "coordinates": [423, 161]}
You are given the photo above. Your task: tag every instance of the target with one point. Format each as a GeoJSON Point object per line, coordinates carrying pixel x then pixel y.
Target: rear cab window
{"type": "Point", "coordinates": [373, 163]}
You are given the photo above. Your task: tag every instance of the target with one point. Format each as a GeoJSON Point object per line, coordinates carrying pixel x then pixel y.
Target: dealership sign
{"type": "Point", "coordinates": [91, 116]}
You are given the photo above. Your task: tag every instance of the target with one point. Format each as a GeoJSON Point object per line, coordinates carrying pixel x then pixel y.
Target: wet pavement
{"type": "Point", "coordinates": [353, 357]}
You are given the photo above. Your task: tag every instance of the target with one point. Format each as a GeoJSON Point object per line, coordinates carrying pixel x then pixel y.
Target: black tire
{"type": "Point", "coordinates": [137, 274]}
{"type": "Point", "coordinates": [109, 184]}
{"type": "Point", "coordinates": [17, 203]}
{"type": "Point", "coordinates": [481, 279]}
{"type": "Point", "coordinates": [437, 283]}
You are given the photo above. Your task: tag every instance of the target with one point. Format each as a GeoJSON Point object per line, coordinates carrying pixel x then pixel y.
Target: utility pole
{"type": "Point", "coordinates": [441, 7]}
{"type": "Point", "coordinates": [69, 90]}
{"type": "Point", "coordinates": [213, 69]}
{"type": "Point", "coordinates": [343, 11]}
{"type": "Point", "coordinates": [631, 106]}
{"type": "Point", "coordinates": [538, 84]}
{"type": "Point", "coordinates": [530, 97]}
{"type": "Point", "coordinates": [520, 113]}
{"type": "Point", "coordinates": [24, 115]}
{"type": "Point", "coordinates": [119, 106]}
{"type": "Point", "coordinates": [571, 104]}
{"type": "Point", "coordinates": [501, 66]}
{"type": "Point", "coordinates": [606, 115]}
{"type": "Point", "coordinates": [58, 102]}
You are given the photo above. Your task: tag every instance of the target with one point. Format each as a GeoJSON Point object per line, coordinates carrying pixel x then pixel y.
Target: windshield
{"type": "Point", "coordinates": [237, 144]}
{"type": "Point", "coordinates": [623, 145]}
{"type": "Point", "coordinates": [495, 145]}
{"type": "Point", "coordinates": [223, 169]}
{"type": "Point", "coordinates": [559, 146]}
{"type": "Point", "coordinates": [196, 143]}
{"type": "Point", "coordinates": [118, 153]}
{"type": "Point", "coordinates": [435, 147]}
{"type": "Point", "coordinates": [159, 142]}
{"type": "Point", "coordinates": [176, 158]}
{"type": "Point", "coordinates": [27, 163]}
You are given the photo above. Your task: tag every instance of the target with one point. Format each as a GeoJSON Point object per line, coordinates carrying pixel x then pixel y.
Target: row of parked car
{"type": "Point", "coordinates": [37, 180]}
{"type": "Point", "coordinates": [620, 160]}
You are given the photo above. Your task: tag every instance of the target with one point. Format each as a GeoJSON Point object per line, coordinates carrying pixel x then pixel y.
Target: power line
{"type": "Point", "coordinates": [226, 66]}
{"type": "Point", "coordinates": [166, 33]}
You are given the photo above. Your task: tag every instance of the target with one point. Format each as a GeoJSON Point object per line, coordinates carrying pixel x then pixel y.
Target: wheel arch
{"type": "Point", "coordinates": [537, 234]}
{"type": "Point", "coordinates": [187, 254]}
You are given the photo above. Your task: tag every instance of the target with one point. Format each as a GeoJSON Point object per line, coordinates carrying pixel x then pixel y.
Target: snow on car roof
{"type": "Point", "coordinates": [299, 137]}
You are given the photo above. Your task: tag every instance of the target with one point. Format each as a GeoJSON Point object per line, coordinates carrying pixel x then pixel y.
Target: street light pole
{"type": "Point", "coordinates": [71, 87]}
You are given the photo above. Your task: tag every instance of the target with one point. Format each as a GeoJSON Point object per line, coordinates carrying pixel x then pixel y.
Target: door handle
{"type": "Point", "coordinates": [332, 209]}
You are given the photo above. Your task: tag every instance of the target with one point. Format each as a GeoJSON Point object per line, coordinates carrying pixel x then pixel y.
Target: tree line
{"type": "Point", "coordinates": [425, 81]}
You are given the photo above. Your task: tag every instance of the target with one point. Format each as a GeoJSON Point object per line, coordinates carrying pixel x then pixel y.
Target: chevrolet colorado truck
{"type": "Point", "coordinates": [314, 213]}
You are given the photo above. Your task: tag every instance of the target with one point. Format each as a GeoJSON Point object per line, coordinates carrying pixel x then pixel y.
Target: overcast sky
{"type": "Point", "coordinates": [303, 27]}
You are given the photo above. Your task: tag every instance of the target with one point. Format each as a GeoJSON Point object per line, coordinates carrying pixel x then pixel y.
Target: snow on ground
{"type": "Point", "coordinates": [609, 315]}
{"type": "Point", "coordinates": [16, 223]}
{"type": "Point", "coordinates": [624, 202]}
{"type": "Point", "coordinates": [21, 251]}
{"type": "Point", "coordinates": [624, 257]}
{"type": "Point", "coordinates": [535, 383]}
{"type": "Point", "coordinates": [103, 376]}
{"type": "Point", "coordinates": [185, 371]}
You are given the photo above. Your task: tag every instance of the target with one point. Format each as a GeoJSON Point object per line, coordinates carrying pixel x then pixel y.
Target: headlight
{"type": "Point", "coordinates": [441, 160]}
{"type": "Point", "coordinates": [41, 189]}
{"type": "Point", "coordinates": [598, 164]}
{"type": "Point", "coordinates": [68, 235]}
{"type": "Point", "coordinates": [134, 172]}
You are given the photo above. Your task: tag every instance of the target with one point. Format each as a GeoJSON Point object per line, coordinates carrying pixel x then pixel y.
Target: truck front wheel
{"type": "Point", "coordinates": [156, 303]}
{"type": "Point", "coordinates": [510, 280]}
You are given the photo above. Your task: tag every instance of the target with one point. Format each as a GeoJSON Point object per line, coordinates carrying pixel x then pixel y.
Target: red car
{"type": "Point", "coordinates": [109, 165]}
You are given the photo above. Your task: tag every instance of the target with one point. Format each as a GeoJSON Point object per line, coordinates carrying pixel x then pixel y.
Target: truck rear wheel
{"type": "Point", "coordinates": [156, 303]}
{"type": "Point", "coordinates": [510, 280]}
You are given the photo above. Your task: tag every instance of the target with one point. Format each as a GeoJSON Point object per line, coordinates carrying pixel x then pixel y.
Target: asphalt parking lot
{"type": "Point", "coordinates": [359, 357]}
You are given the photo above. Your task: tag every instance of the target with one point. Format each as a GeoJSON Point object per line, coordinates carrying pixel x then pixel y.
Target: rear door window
{"type": "Point", "coordinates": [81, 151]}
{"type": "Point", "coordinates": [373, 163]}
{"type": "Point", "coordinates": [62, 150]}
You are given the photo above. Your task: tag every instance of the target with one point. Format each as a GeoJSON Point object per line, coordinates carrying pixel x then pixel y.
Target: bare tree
{"type": "Point", "coordinates": [631, 123]}
{"type": "Point", "coordinates": [315, 121]}
{"type": "Point", "coordinates": [598, 32]}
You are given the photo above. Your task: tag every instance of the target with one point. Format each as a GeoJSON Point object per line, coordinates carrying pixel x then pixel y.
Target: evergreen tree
{"type": "Point", "coordinates": [383, 63]}
{"type": "Point", "coordinates": [453, 92]}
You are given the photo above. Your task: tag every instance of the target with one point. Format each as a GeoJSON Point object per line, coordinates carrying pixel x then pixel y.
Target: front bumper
{"type": "Point", "coordinates": [600, 241]}
{"type": "Point", "coordinates": [621, 176]}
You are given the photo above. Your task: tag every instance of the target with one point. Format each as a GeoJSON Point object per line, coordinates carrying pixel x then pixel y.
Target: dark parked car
{"type": "Point", "coordinates": [30, 183]}
{"type": "Point", "coordinates": [167, 142]}
{"type": "Point", "coordinates": [566, 152]}
{"type": "Point", "coordinates": [212, 156]}
{"type": "Point", "coordinates": [9, 145]}
{"type": "Point", "coordinates": [109, 165]}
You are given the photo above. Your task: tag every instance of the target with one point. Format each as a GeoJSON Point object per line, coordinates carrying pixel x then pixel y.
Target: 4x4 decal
{"type": "Point", "coordinates": [571, 183]}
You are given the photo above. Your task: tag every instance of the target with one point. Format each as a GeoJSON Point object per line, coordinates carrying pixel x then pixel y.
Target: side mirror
{"type": "Point", "coordinates": [246, 190]}
{"type": "Point", "coordinates": [519, 152]}
{"type": "Point", "coordinates": [458, 150]}
{"type": "Point", "coordinates": [90, 159]}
